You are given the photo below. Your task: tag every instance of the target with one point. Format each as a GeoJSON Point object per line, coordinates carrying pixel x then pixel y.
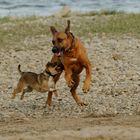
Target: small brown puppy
{"type": "Point", "coordinates": [69, 51]}
{"type": "Point", "coordinates": [40, 82]}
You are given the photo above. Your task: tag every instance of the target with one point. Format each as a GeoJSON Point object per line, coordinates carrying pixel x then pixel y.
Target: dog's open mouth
{"type": "Point", "coordinates": [57, 51]}
{"type": "Point", "coordinates": [58, 54]}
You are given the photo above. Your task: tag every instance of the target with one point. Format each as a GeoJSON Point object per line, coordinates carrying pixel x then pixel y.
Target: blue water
{"type": "Point", "coordinates": [49, 7]}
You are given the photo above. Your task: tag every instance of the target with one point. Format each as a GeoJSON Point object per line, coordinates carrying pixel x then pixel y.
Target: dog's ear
{"type": "Point", "coordinates": [53, 30]}
{"type": "Point", "coordinates": [70, 35]}
{"type": "Point", "coordinates": [48, 64]}
{"type": "Point", "coordinates": [51, 64]}
{"type": "Point", "coordinates": [67, 30]}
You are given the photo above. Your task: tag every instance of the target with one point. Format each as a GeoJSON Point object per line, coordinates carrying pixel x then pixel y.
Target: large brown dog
{"type": "Point", "coordinates": [69, 51]}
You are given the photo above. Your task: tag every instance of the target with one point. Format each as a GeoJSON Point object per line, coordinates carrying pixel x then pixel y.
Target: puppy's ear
{"type": "Point", "coordinates": [48, 64]}
{"type": "Point", "coordinates": [67, 30]}
{"type": "Point", "coordinates": [53, 30]}
{"type": "Point", "coordinates": [51, 64]}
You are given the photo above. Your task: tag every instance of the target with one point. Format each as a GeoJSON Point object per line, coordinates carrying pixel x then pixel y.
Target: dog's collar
{"type": "Point", "coordinates": [45, 73]}
{"type": "Point", "coordinates": [48, 73]}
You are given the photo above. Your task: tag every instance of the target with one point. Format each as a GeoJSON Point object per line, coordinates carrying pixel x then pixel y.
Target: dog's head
{"type": "Point", "coordinates": [62, 41]}
{"type": "Point", "coordinates": [53, 68]}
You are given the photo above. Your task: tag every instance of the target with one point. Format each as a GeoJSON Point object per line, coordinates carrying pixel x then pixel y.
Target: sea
{"type": "Point", "coordinates": [50, 7]}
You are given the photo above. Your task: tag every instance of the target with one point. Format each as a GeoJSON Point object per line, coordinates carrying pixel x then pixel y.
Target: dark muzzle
{"type": "Point", "coordinates": [55, 50]}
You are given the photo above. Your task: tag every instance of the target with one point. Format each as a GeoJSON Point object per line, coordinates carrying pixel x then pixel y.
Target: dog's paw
{"type": "Point", "coordinates": [48, 105]}
{"type": "Point", "coordinates": [82, 104]}
{"type": "Point", "coordinates": [86, 87]}
{"type": "Point", "coordinates": [70, 83]}
{"type": "Point", "coordinates": [12, 97]}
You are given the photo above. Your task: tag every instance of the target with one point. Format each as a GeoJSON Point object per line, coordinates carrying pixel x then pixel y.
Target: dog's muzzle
{"type": "Point", "coordinates": [57, 51]}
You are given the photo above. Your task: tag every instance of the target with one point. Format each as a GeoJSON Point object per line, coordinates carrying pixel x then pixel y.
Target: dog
{"type": "Point", "coordinates": [42, 82]}
{"type": "Point", "coordinates": [69, 51]}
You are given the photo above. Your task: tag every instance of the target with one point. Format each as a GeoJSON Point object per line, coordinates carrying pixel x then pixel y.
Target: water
{"type": "Point", "coordinates": [49, 7]}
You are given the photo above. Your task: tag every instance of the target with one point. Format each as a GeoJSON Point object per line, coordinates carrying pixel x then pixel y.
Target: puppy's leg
{"type": "Point", "coordinates": [55, 79]}
{"type": "Point", "coordinates": [19, 88]}
{"type": "Point", "coordinates": [49, 99]}
{"type": "Point", "coordinates": [76, 79]}
{"type": "Point", "coordinates": [55, 93]}
{"type": "Point", "coordinates": [28, 89]}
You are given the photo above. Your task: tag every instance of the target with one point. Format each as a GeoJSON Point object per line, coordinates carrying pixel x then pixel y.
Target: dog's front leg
{"type": "Point", "coordinates": [87, 81]}
{"type": "Point", "coordinates": [68, 77]}
{"type": "Point", "coordinates": [49, 99]}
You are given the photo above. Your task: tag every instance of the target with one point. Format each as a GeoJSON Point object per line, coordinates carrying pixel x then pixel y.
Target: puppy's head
{"type": "Point", "coordinates": [53, 68]}
{"type": "Point", "coordinates": [61, 41]}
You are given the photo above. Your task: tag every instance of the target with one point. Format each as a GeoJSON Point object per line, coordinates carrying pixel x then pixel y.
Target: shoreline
{"type": "Point", "coordinates": [68, 13]}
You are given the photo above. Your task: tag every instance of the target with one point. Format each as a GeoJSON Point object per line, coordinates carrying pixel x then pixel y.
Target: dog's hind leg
{"type": "Point", "coordinates": [18, 89]}
{"type": "Point", "coordinates": [76, 79]}
{"type": "Point", "coordinates": [28, 89]}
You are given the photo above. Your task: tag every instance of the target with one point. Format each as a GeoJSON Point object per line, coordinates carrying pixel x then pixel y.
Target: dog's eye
{"type": "Point", "coordinates": [59, 40]}
{"type": "Point", "coordinates": [53, 42]}
{"type": "Point", "coordinates": [58, 68]}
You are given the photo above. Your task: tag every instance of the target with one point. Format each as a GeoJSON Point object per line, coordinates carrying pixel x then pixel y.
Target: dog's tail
{"type": "Point", "coordinates": [20, 69]}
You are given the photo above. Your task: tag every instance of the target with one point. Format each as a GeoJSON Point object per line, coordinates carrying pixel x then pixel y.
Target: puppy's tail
{"type": "Point", "coordinates": [20, 69]}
